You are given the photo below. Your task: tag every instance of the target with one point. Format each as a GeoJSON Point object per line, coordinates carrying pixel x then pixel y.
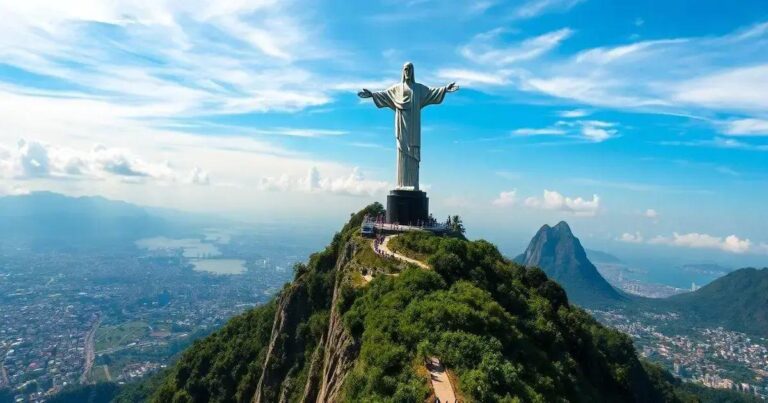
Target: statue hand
{"type": "Point", "coordinates": [452, 87]}
{"type": "Point", "coordinates": [364, 93]}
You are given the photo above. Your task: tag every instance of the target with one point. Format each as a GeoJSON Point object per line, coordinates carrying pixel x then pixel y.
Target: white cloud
{"type": "Point", "coordinates": [740, 89]}
{"type": "Point", "coordinates": [354, 184]}
{"type": "Point", "coordinates": [553, 200]}
{"type": "Point", "coordinates": [471, 77]}
{"type": "Point", "coordinates": [574, 113]}
{"type": "Point", "coordinates": [595, 131]}
{"type": "Point", "coordinates": [255, 62]}
{"type": "Point", "coordinates": [651, 213]}
{"type": "Point", "coordinates": [688, 75]}
{"type": "Point", "coordinates": [486, 48]}
{"type": "Point", "coordinates": [747, 127]}
{"type": "Point", "coordinates": [198, 177]}
{"type": "Point", "coordinates": [631, 238]}
{"type": "Point", "coordinates": [534, 8]}
{"type": "Point", "coordinates": [506, 199]}
{"type": "Point", "coordinates": [34, 159]}
{"type": "Point", "coordinates": [731, 243]}
{"type": "Point", "coordinates": [12, 190]}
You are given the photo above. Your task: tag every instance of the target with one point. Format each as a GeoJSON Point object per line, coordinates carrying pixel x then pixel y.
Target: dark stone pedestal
{"type": "Point", "coordinates": [407, 207]}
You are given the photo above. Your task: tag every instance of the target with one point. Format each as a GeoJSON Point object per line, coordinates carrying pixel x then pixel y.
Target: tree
{"type": "Point", "coordinates": [456, 225]}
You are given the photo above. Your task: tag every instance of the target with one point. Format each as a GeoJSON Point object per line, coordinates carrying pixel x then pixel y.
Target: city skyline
{"type": "Point", "coordinates": [642, 125]}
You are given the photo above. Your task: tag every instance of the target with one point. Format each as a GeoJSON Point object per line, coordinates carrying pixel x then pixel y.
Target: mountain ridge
{"type": "Point", "coordinates": [738, 301]}
{"type": "Point", "coordinates": [48, 220]}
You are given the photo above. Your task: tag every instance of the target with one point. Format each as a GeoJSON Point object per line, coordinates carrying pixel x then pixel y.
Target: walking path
{"type": "Point", "coordinates": [384, 248]}
{"type": "Point", "coordinates": [440, 381]}
{"type": "Point", "coordinates": [441, 384]}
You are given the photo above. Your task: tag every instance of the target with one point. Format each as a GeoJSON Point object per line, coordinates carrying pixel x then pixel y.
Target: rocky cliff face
{"type": "Point", "coordinates": [560, 254]}
{"type": "Point", "coordinates": [331, 358]}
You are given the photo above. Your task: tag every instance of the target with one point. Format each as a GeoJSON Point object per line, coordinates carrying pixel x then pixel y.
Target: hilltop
{"type": "Point", "coordinates": [560, 254]}
{"type": "Point", "coordinates": [505, 333]}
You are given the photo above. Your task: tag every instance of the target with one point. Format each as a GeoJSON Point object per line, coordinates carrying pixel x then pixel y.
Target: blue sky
{"type": "Point", "coordinates": [644, 124]}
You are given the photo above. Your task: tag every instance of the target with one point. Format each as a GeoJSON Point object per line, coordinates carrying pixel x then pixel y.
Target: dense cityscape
{"type": "Point", "coordinates": [714, 357]}
{"type": "Point", "coordinates": [74, 318]}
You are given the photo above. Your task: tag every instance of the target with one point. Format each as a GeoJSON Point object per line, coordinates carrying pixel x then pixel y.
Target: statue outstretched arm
{"type": "Point", "coordinates": [382, 99]}
{"type": "Point", "coordinates": [435, 95]}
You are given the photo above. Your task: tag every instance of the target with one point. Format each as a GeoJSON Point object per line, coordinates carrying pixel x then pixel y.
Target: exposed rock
{"type": "Point", "coordinates": [332, 358]}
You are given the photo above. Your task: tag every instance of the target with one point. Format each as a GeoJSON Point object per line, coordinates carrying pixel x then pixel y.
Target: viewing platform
{"type": "Point", "coordinates": [370, 228]}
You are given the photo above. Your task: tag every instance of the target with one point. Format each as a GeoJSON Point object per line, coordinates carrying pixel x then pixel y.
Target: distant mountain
{"type": "Point", "coordinates": [738, 301]}
{"type": "Point", "coordinates": [51, 220]}
{"type": "Point", "coordinates": [560, 254]}
{"type": "Point", "coordinates": [597, 256]}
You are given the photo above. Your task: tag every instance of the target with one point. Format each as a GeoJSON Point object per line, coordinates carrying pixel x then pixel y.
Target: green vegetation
{"type": "Point", "coordinates": [736, 301]}
{"type": "Point", "coordinates": [508, 333]}
{"type": "Point", "coordinates": [223, 367]}
{"type": "Point", "coordinates": [98, 393]}
{"type": "Point", "coordinates": [120, 335]}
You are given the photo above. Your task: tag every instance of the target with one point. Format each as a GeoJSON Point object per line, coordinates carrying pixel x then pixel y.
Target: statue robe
{"type": "Point", "coordinates": [407, 99]}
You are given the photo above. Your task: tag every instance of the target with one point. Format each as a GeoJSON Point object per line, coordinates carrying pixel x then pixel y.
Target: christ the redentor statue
{"type": "Point", "coordinates": [406, 99]}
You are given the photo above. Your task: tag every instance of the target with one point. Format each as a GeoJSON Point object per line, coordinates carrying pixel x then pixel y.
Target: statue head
{"type": "Point", "coordinates": [408, 73]}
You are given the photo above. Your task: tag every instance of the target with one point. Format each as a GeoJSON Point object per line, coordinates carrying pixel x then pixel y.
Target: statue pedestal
{"type": "Point", "coordinates": [407, 207]}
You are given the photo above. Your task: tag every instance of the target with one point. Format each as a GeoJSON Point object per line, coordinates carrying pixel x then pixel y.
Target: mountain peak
{"type": "Point", "coordinates": [562, 226]}
{"type": "Point", "coordinates": [560, 254]}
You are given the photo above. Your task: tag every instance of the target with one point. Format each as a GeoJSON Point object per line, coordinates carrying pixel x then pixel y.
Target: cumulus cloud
{"type": "Point", "coordinates": [34, 159]}
{"type": "Point", "coordinates": [506, 199]}
{"type": "Point", "coordinates": [552, 200]}
{"type": "Point", "coordinates": [354, 184]}
{"type": "Point", "coordinates": [731, 243]}
{"type": "Point", "coordinates": [631, 238]}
